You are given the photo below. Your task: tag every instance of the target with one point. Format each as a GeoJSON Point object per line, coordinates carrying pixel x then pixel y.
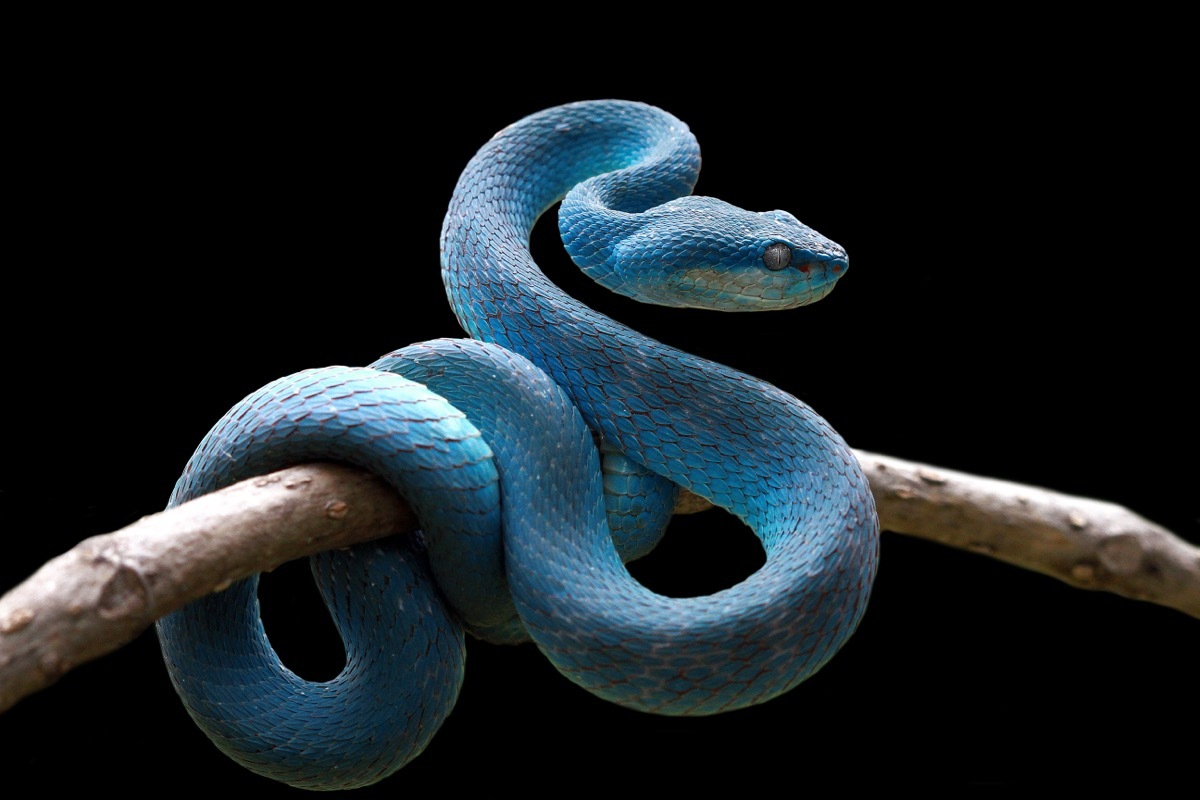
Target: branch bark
{"type": "Point", "coordinates": [105, 591]}
{"type": "Point", "coordinates": [1089, 544]}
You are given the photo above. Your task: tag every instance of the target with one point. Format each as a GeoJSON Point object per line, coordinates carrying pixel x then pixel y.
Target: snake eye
{"type": "Point", "coordinates": [777, 256]}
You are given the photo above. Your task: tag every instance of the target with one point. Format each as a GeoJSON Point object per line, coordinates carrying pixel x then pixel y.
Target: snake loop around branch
{"type": "Point", "coordinates": [492, 439]}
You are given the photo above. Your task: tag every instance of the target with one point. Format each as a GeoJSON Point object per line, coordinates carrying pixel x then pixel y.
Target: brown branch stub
{"type": "Point", "coordinates": [1089, 544]}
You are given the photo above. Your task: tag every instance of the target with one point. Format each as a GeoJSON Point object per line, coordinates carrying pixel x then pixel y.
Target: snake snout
{"type": "Point", "coordinates": [825, 270]}
{"type": "Point", "coordinates": [815, 276]}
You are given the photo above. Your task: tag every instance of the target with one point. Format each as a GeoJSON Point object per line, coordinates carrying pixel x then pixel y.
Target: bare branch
{"type": "Point", "coordinates": [1089, 544]}
{"type": "Point", "coordinates": [105, 591]}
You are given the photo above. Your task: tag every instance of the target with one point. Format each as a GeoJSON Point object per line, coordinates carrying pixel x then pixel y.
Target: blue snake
{"type": "Point", "coordinates": [541, 455]}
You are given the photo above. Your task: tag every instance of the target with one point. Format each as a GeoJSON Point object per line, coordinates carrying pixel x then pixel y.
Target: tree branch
{"type": "Point", "coordinates": [108, 589]}
{"type": "Point", "coordinates": [1089, 544]}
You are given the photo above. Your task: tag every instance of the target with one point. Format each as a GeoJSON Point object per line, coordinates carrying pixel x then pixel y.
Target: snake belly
{"type": "Point", "coordinates": [502, 469]}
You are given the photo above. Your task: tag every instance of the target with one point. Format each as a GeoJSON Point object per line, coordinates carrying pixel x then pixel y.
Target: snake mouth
{"type": "Point", "coordinates": [750, 289]}
{"type": "Point", "coordinates": [808, 294]}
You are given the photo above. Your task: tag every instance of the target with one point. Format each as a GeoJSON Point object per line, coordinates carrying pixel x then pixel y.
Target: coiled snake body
{"type": "Point", "coordinates": [520, 540]}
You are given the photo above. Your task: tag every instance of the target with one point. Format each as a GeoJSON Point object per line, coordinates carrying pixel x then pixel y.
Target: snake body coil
{"type": "Point", "coordinates": [519, 535]}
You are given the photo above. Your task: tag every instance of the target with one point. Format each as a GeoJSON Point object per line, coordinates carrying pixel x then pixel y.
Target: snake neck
{"type": "Point", "coordinates": [679, 415]}
{"type": "Point", "coordinates": [632, 156]}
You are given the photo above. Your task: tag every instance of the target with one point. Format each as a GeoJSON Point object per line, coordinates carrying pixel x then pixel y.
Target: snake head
{"type": "Point", "coordinates": [700, 252]}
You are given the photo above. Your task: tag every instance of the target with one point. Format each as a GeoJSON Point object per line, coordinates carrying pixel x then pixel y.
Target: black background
{"type": "Point", "coordinates": [1016, 307]}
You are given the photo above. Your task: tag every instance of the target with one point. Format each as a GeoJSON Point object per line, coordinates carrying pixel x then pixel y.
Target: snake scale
{"type": "Point", "coordinates": [541, 455]}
